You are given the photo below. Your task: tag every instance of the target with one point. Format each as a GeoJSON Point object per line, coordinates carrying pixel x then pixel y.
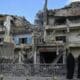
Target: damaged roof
{"type": "Point", "coordinates": [72, 9]}
{"type": "Point", "coordinates": [21, 26]}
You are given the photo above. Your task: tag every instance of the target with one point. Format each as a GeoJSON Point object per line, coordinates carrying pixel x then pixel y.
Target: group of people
{"type": "Point", "coordinates": [70, 64]}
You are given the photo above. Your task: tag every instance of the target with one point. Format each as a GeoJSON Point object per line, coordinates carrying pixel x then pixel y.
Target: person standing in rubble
{"type": "Point", "coordinates": [70, 65]}
{"type": "Point", "coordinates": [78, 74]}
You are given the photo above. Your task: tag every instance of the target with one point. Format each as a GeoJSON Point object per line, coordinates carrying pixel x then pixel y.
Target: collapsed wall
{"type": "Point", "coordinates": [6, 52]}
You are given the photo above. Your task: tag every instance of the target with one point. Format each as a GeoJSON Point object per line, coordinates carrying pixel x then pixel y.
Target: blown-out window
{"type": "Point", "coordinates": [23, 40]}
{"type": "Point", "coordinates": [61, 38]}
{"type": "Point", "coordinates": [60, 21]}
{"type": "Point", "coordinates": [1, 39]}
{"type": "Point", "coordinates": [1, 23]}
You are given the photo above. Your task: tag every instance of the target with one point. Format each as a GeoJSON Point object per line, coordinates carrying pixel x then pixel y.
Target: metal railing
{"type": "Point", "coordinates": [44, 70]}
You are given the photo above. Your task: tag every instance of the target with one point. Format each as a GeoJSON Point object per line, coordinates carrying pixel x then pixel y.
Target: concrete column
{"type": "Point", "coordinates": [35, 57]}
{"type": "Point", "coordinates": [34, 48]}
{"type": "Point", "coordinates": [67, 33]}
{"type": "Point", "coordinates": [20, 56]}
{"type": "Point", "coordinates": [45, 35]}
{"type": "Point", "coordinates": [64, 57]}
{"type": "Point", "coordinates": [1, 77]}
{"type": "Point", "coordinates": [38, 57]}
{"type": "Point", "coordinates": [57, 50]}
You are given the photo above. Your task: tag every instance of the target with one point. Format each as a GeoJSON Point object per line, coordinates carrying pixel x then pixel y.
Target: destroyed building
{"type": "Point", "coordinates": [61, 33]}
{"type": "Point", "coordinates": [41, 51]}
{"type": "Point", "coordinates": [19, 34]}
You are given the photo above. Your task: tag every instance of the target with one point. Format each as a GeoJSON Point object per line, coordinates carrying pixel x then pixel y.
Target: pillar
{"type": "Point", "coordinates": [57, 50]}
{"type": "Point", "coordinates": [20, 57]}
{"type": "Point", "coordinates": [35, 56]}
{"type": "Point", "coordinates": [45, 35]}
{"type": "Point", "coordinates": [1, 77]}
{"type": "Point", "coordinates": [64, 56]}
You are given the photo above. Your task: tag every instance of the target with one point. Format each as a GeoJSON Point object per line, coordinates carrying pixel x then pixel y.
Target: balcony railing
{"type": "Point", "coordinates": [74, 44]}
{"type": "Point", "coordinates": [55, 27]}
{"type": "Point", "coordinates": [71, 25]}
{"type": "Point", "coordinates": [75, 24]}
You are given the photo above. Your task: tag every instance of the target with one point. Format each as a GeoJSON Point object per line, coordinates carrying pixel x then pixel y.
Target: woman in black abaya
{"type": "Point", "coordinates": [78, 75]}
{"type": "Point", "coordinates": [70, 64]}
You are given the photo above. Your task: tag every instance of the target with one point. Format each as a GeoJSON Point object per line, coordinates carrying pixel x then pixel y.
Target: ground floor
{"type": "Point", "coordinates": [41, 54]}
{"type": "Point", "coordinates": [48, 54]}
{"type": "Point", "coordinates": [54, 54]}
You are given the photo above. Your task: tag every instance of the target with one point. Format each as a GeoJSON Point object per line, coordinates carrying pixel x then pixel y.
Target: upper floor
{"type": "Point", "coordinates": [63, 36]}
{"type": "Point", "coordinates": [23, 39]}
{"type": "Point", "coordinates": [16, 27]}
{"type": "Point", "coordinates": [63, 23]}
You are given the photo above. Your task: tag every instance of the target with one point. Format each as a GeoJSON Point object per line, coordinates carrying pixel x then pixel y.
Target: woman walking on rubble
{"type": "Point", "coordinates": [78, 75]}
{"type": "Point", "coordinates": [70, 64]}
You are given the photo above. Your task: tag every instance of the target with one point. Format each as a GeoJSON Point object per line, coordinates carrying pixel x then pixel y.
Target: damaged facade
{"type": "Point", "coordinates": [61, 33]}
{"type": "Point", "coordinates": [17, 32]}
{"type": "Point", "coordinates": [40, 49]}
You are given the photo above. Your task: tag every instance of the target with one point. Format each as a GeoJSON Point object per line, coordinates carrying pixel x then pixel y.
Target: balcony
{"type": "Point", "coordinates": [74, 24]}
{"type": "Point", "coordinates": [50, 41]}
{"type": "Point", "coordinates": [20, 46]}
{"type": "Point", "coordinates": [55, 27]}
{"type": "Point", "coordinates": [71, 25]}
{"type": "Point", "coordinates": [74, 44]}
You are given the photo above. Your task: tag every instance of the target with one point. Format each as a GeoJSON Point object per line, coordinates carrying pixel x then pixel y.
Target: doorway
{"type": "Point", "coordinates": [47, 57]}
